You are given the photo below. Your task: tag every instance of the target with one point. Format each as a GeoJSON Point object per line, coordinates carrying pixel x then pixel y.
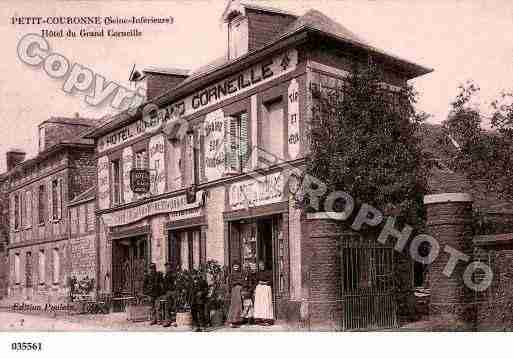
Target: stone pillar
{"type": "Point", "coordinates": [449, 221]}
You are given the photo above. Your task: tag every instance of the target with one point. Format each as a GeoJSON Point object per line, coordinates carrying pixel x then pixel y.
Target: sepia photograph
{"type": "Point", "coordinates": [279, 167]}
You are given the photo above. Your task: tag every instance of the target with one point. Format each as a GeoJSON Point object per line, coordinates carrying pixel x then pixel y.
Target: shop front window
{"type": "Point", "coordinates": [185, 249]}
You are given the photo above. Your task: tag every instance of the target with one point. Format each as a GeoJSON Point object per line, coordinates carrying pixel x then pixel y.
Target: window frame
{"type": "Point", "coordinates": [41, 204]}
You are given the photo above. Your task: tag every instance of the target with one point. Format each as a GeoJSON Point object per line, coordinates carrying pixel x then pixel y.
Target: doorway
{"type": "Point", "coordinates": [129, 264]}
{"type": "Point", "coordinates": [257, 245]}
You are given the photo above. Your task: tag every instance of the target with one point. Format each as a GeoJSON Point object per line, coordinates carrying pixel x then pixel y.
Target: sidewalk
{"type": "Point", "coordinates": [11, 321]}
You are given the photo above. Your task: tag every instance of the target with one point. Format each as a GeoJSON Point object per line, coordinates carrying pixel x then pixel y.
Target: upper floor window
{"type": "Point", "coordinates": [17, 212]}
{"type": "Point", "coordinates": [273, 124]}
{"type": "Point", "coordinates": [237, 151]}
{"type": "Point", "coordinates": [28, 209]}
{"type": "Point", "coordinates": [191, 160]}
{"type": "Point", "coordinates": [56, 199]}
{"type": "Point", "coordinates": [41, 204]}
{"type": "Point", "coordinates": [142, 160]}
{"type": "Point", "coordinates": [116, 181]}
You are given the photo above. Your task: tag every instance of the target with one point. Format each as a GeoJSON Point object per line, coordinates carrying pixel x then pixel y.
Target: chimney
{"type": "Point", "coordinates": [159, 80]}
{"type": "Point", "coordinates": [14, 158]}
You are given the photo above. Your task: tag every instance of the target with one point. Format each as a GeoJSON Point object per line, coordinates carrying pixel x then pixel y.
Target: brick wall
{"type": "Point", "coordinates": [43, 289]}
{"type": "Point", "coordinates": [82, 172]}
{"type": "Point", "coordinates": [57, 132]}
{"type": "Point", "coordinates": [157, 84]}
{"type": "Point", "coordinates": [83, 254]}
{"type": "Point", "coordinates": [450, 224]}
{"type": "Point", "coordinates": [495, 309]}
{"type": "Point", "coordinates": [264, 26]}
{"type": "Point", "coordinates": [321, 272]}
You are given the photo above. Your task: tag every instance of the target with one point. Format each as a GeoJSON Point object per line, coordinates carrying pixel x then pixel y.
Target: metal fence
{"type": "Point", "coordinates": [368, 286]}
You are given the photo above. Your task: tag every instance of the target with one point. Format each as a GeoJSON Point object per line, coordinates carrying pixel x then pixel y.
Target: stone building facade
{"type": "Point", "coordinates": [219, 149]}
{"type": "Point", "coordinates": [39, 224]}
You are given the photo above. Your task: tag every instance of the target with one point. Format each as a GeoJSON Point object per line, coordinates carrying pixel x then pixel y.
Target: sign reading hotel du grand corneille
{"type": "Point", "coordinates": [245, 80]}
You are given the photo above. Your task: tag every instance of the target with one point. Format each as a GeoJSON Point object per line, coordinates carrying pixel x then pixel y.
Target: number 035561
{"type": "Point", "coordinates": [26, 346]}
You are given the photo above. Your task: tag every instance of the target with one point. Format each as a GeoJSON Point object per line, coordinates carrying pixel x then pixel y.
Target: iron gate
{"type": "Point", "coordinates": [367, 280]}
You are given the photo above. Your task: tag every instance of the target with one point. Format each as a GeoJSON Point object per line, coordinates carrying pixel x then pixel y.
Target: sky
{"type": "Point", "coordinates": [460, 40]}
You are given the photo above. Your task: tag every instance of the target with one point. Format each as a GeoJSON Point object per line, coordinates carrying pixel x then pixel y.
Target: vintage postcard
{"type": "Point", "coordinates": [231, 166]}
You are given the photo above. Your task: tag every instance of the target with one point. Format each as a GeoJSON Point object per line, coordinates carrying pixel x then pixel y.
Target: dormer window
{"type": "Point", "coordinates": [237, 37]}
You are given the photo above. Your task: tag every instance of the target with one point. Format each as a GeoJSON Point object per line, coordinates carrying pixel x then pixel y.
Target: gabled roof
{"type": "Point", "coordinates": [317, 20]}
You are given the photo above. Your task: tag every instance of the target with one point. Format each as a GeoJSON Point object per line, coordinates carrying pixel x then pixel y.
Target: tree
{"type": "Point", "coordinates": [364, 141]}
{"type": "Point", "coordinates": [484, 155]}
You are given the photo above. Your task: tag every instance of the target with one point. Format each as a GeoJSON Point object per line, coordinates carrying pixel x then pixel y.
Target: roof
{"type": "Point", "coordinates": [166, 71]}
{"type": "Point", "coordinates": [312, 21]}
{"type": "Point", "coordinates": [85, 196]}
{"type": "Point", "coordinates": [317, 20]}
{"type": "Point", "coordinates": [236, 5]}
{"type": "Point", "coordinates": [80, 121]}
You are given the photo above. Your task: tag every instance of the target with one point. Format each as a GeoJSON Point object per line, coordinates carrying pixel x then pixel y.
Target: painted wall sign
{"type": "Point", "coordinates": [257, 192]}
{"type": "Point", "coordinates": [103, 183]}
{"type": "Point", "coordinates": [140, 181]}
{"type": "Point", "coordinates": [214, 129]}
{"type": "Point", "coordinates": [293, 119]}
{"type": "Point", "coordinates": [127, 160]}
{"type": "Point", "coordinates": [166, 205]}
{"type": "Point", "coordinates": [157, 164]}
{"type": "Point", "coordinates": [258, 74]}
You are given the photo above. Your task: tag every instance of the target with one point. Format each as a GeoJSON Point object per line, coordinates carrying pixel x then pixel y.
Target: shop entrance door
{"type": "Point", "coordinates": [129, 263]}
{"type": "Point", "coordinates": [257, 244]}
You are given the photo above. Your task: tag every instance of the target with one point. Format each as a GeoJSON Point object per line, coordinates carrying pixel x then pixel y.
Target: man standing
{"type": "Point", "coordinates": [199, 299]}
{"type": "Point", "coordinates": [169, 295]}
{"type": "Point", "coordinates": [153, 288]}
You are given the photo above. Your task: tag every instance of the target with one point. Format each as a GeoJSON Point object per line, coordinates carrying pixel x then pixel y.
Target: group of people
{"type": "Point", "coordinates": [162, 289]}
{"type": "Point", "coordinates": [251, 298]}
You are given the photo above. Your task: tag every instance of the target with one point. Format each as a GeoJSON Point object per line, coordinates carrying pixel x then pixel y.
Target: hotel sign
{"type": "Point", "coordinates": [257, 192]}
{"type": "Point", "coordinates": [165, 205]}
{"type": "Point", "coordinates": [241, 82]}
{"type": "Point", "coordinates": [140, 181]}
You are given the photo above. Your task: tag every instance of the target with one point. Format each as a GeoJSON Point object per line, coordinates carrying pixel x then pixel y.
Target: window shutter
{"type": "Point", "coordinates": [22, 209]}
{"type": "Point", "coordinates": [29, 208]}
{"type": "Point", "coordinates": [228, 143]}
{"type": "Point", "coordinates": [244, 140]}
{"type": "Point", "coordinates": [50, 202]}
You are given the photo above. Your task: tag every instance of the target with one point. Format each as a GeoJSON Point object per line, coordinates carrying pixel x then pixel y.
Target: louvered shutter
{"type": "Point", "coordinates": [230, 143]}
{"type": "Point", "coordinates": [244, 141]}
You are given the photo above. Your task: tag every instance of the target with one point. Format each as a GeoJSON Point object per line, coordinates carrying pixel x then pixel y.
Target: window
{"type": "Point", "coordinates": [16, 211]}
{"type": "Point", "coordinates": [237, 153]}
{"type": "Point", "coordinates": [273, 128]}
{"type": "Point", "coordinates": [142, 160]}
{"type": "Point", "coordinates": [28, 270]}
{"type": "Point", "coordinates": [17, 269]}
{"type": "Point", "coordinates": [41, 204]}
{"type": "Point", "coordinates": [23, 209]}
{"type": "Point", "coordinates": [42, 267]}
{"type": "Point", "coordinates": [28, 206]}
{"type": "Point", "coordinates": [185, 249]}
{"type": "Point", "coordinates": [56, 265]}
{"type": "Point", "coordinates": [56, 199]}
{"type": "Point", "coordinates": [116, 181]}
{"type": "Point", "coordinates": [192, 160]}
